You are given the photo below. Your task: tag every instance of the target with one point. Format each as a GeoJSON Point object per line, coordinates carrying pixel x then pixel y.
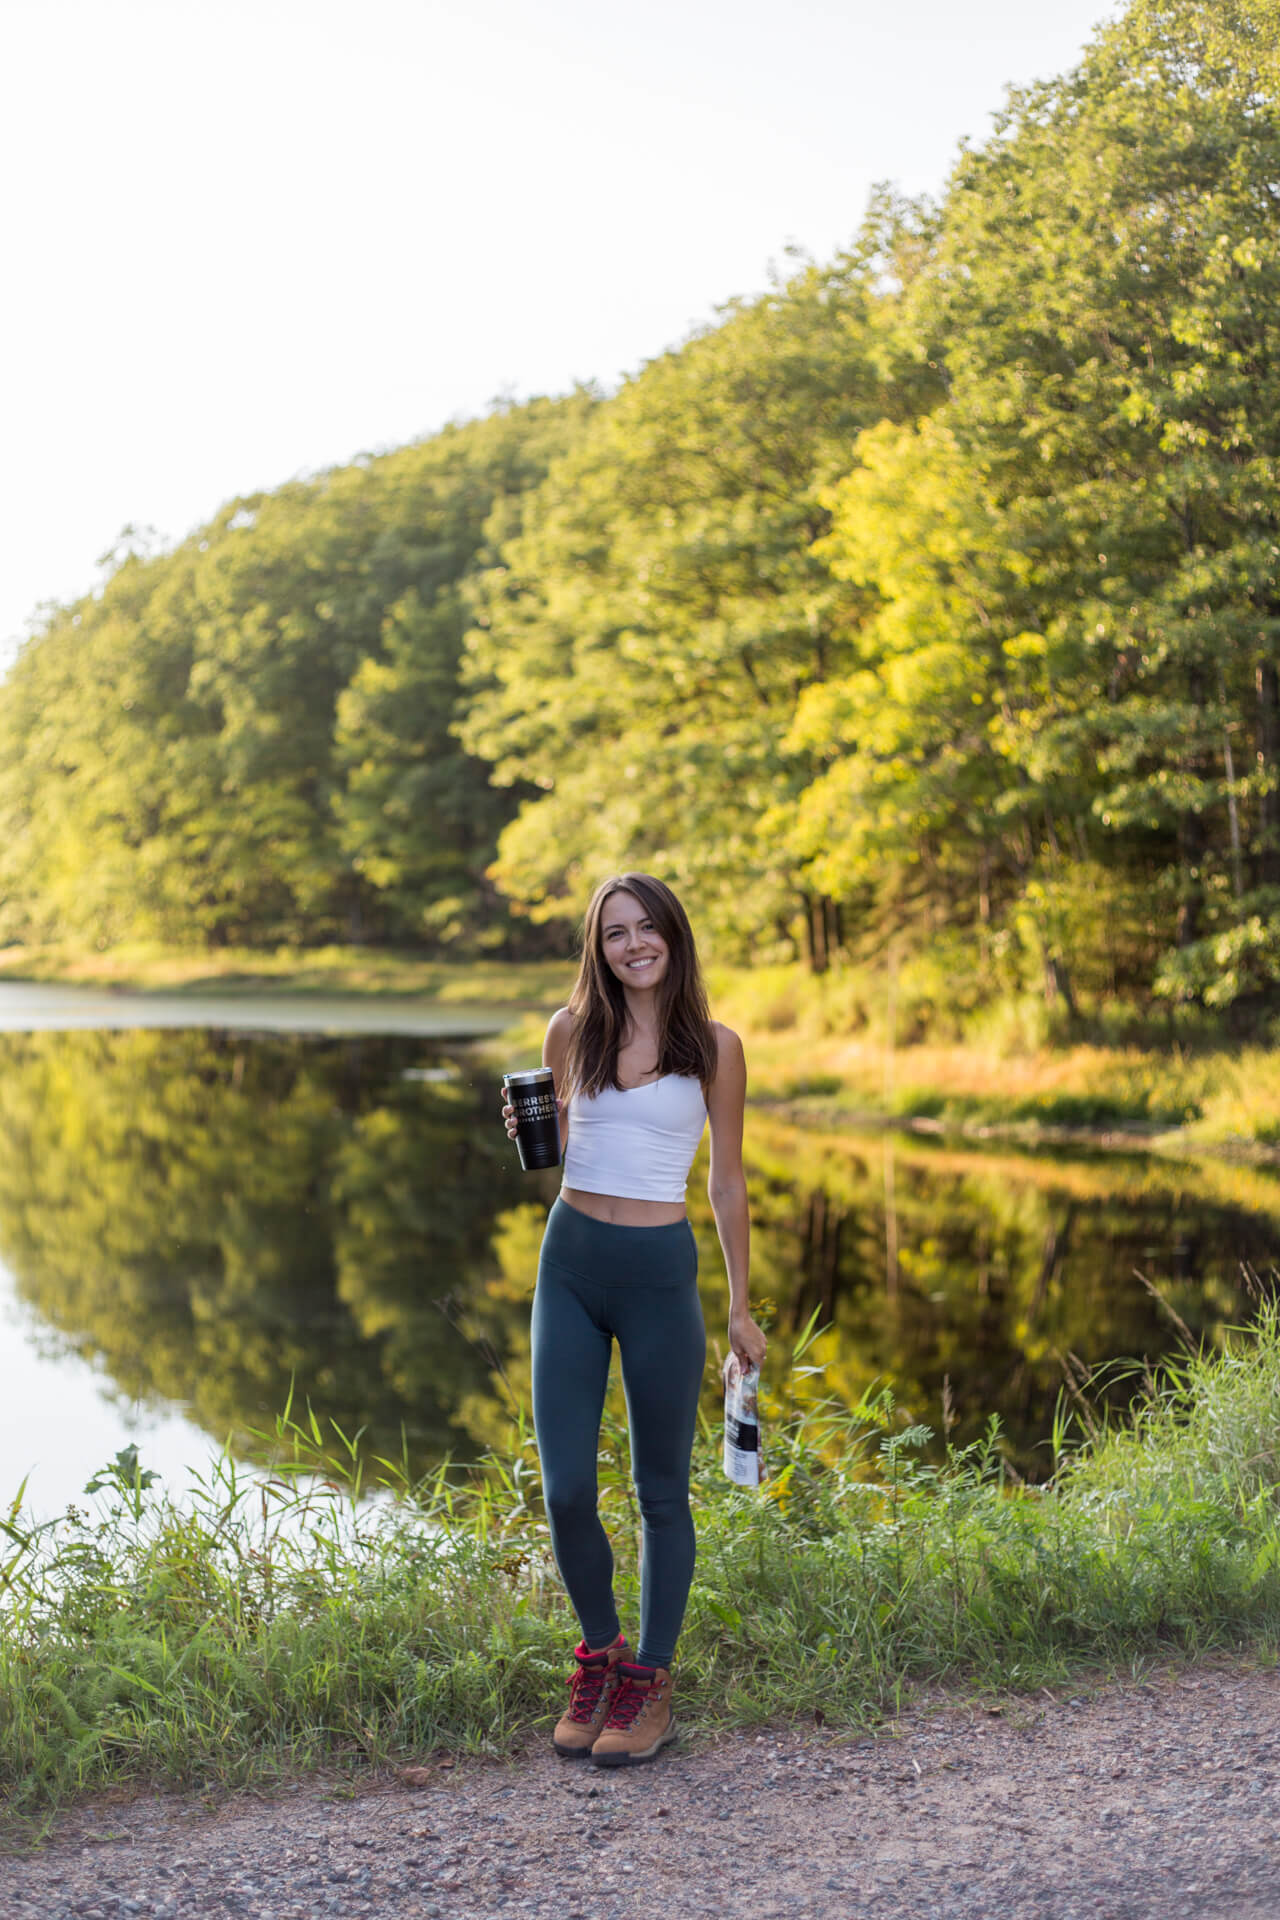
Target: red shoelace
{"type": "Point", "coordinates": [634, 1684]}
{"type": "Point", "coordinates": [585, 1688]}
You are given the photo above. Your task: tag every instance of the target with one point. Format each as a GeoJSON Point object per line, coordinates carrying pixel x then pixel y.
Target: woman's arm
{"type": "Point", "coordinates": [727, 1187]}
{"type": "Point", "coordinates": [555, 1049]}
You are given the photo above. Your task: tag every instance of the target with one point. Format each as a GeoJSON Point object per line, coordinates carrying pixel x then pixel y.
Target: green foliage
{"type": "Point", "coordinates": [244, 1628]}
{"type": "Point", "coordinates": [250, 738]}
{"type": "Point", "coordinates": [1074, 657]}
{"type": "Point", "coordinates": [638, 654]}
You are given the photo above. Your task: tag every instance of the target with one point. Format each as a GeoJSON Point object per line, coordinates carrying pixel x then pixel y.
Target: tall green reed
{"type": "Point", "coordinates": [331, 1611]}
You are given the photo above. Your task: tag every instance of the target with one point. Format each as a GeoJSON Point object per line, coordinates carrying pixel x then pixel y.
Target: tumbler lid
{"type": "Point", "coordinates": [532, 1077]}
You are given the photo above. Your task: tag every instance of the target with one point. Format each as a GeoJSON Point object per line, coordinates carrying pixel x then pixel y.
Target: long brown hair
{"type": "Point", "coordinates": [598, 1006]}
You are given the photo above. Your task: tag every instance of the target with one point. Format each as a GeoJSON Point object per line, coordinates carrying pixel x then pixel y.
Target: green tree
{"type": "Point", "coordinates": [639, 651]}
{"type": "Point", "coordinates": [249, 738]}
{"type": "Point", "coordinates": [1078, 585]}
{"type": "Point", "coordinates": [416, 815]}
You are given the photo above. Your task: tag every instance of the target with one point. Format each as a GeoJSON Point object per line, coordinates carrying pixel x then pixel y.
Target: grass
{"type": "Point", "coordinates": [821, 1047]}
{"type": "Point", "coordinates": [248, 1630]}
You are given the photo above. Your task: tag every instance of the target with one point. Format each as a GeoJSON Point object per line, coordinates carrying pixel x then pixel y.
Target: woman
{"type": "Point", "coordinates": [639, 1068]}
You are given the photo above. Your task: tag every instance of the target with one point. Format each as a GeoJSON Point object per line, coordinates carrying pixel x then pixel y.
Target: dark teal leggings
{"type": "Point", "coordinates": [637, 1285]}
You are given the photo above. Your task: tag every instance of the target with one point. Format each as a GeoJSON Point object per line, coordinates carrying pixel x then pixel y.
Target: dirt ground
{"type": "Point", "coordinates": [1157, 1799]}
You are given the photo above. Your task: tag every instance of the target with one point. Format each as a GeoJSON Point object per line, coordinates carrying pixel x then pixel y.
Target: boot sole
{"type": "Point", "coordinates": [572, 1753]}
{"type": "Point", "coordinates": [664, 1739]}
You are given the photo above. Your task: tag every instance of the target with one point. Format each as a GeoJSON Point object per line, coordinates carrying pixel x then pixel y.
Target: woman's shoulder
{"type": "Point", "coordinates": [727, 1087]}
{"type": "Point", "coordinates": [729, 1052]}
{"type": "Point", "coordinates": [559, 1032]}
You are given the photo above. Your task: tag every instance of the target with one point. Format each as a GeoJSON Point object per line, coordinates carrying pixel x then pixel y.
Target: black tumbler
{"type": "Point", "coordinates": [533, 1095]}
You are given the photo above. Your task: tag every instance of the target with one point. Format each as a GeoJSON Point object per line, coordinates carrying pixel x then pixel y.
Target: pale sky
{"type": "Point", "coordinates": [61, 1416]}
{"type": "Point", "coordinates": [244, 239]}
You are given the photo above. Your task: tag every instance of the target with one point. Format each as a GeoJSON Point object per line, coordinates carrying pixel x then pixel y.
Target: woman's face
{"type": "Point", "coordinates": [634, 951]}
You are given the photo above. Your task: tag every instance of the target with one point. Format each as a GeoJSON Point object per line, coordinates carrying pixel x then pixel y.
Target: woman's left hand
{"type": "Point", "coordinates": [746, 1339]}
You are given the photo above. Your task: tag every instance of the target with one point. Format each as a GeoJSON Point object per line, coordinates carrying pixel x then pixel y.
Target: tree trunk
{"type": "Point", "coordinates": [819, 954]}
{"type": "Point", "coordinates": [1267, 683]}
{"type": "Point", "coordinates": [1191, 846]}
{"type": "Point", "coordinates": [1057, 983]}
{"type": "Point", "coordinates": [1190, 854]}
{"type": "Point", "coordinates": [831, 920]}
{"type": "Point", "coordinates": [1233, 808]}
{"type": "Point", "coordinates": [1233, 815]}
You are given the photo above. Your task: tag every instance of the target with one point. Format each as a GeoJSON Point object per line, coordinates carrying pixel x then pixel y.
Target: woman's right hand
{"type": "Point", "coordinates": [747, 1342]}
{"type": "Point", "coordinates": [508, 1116]}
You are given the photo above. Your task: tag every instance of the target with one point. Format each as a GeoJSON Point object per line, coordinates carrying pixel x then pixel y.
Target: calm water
{"type": "Point", "coordinates": [191, 1220]}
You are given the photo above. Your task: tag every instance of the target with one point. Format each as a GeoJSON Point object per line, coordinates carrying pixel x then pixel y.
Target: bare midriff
{"type": "Point", "coordinates": [616, 1211]}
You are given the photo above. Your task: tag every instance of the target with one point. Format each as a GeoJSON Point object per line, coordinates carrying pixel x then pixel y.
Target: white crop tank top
{"type": "Point", "coordinates": [637, 1143]}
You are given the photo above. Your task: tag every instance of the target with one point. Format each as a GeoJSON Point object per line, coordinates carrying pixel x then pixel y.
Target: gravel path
{"type": "Point", "coordinates": [1161, 1799]}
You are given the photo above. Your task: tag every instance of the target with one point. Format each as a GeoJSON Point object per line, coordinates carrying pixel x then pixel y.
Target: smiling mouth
{"type": "Point", "coordinates": [643, 963]}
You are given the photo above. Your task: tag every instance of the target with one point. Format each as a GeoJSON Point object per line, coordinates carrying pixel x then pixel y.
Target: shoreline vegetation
{"type": "Point", "coordinates": [244, 1633]}
{"type": "Point", "coordinates": [830, 1051]}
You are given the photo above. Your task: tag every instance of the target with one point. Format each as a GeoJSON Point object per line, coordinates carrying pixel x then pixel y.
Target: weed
{"type": "Point", "coordinates": [259, 1625]}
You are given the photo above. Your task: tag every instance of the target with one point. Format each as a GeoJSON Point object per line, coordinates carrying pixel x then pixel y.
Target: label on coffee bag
{"type": "Point", "coordinates": [742, 1425]}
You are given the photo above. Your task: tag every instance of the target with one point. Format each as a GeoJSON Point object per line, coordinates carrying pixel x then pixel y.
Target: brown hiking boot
{"type": "Point", "coordinates": [640, 1721]}
{"type": "Point", "coordinates": [592, 1685]}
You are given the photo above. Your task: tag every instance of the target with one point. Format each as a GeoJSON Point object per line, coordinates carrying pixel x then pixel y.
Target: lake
{"type": "Point", "coordinates": [193, 1220]}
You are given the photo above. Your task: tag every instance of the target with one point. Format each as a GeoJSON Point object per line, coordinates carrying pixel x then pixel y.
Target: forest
{"type": "Point", "coordinates": [930, 599]}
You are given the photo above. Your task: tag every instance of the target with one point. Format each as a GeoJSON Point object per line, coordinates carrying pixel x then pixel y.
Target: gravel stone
{"type": "Point", "coordinates": [1157, 1801]}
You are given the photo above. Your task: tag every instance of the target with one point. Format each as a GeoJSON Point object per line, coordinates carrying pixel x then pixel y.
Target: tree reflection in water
{"type": "Point", "coordinates": [216, 1215]}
